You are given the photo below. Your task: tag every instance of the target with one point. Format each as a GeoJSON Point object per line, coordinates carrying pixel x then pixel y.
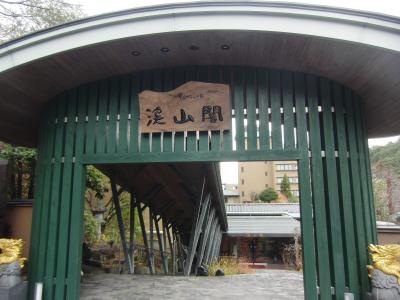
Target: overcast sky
{"type": "Point", "coordinates": [389, 7]}
{"type": "Point", "coordinates": [95, 7]}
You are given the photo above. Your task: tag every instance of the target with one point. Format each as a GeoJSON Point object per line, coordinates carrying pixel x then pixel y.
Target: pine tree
{"type": "Point", "coordinates": [285, 186]}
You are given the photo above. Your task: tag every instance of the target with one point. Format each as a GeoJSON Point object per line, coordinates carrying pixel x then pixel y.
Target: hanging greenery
{"type": "Point", "coordinates": [21, 174]}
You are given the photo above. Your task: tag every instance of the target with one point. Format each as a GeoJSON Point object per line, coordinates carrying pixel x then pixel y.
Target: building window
{"type": "Point", "coordinates": [266, 173]}
{"type": "Point", "coordinates": [266, 185]}
{"type": "Point", "coordinates": [242, 181]}
{"type": "Point", "coordinates": [291, 180]}
{"type": "Point", "coordinates": [242, 169]}
{"type": "Point", "coordinates": [286, 167]}
{"type": "Point", "coordinates": [242, 194]}
{"type": "Point", "coordinates": [295, 193]}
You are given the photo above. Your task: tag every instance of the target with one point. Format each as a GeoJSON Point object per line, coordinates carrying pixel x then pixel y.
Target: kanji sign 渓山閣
{"type": "Point", "coordinates": [194, 106]}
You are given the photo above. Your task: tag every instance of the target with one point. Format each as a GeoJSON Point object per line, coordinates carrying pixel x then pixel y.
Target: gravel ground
{"type": "Point", "coordinates": [265, 284]}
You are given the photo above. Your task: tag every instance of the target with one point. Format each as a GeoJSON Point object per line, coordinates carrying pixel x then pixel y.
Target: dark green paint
{"type": "Point", "coordinates": [102, 127]}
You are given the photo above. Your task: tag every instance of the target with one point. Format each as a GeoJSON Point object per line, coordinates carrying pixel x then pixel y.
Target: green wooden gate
{"type": "Point", "coordinates": [277, 115]}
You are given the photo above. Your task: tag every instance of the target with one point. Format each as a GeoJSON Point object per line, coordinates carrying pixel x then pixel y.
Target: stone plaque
{"type": "Point", "coordinates": [194, 106]}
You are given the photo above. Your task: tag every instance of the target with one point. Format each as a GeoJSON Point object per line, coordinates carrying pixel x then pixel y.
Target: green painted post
{"type": "Point", "coordinates": [101, 130]}
{"type": "Point", "coordinates": [157, 86]}
{"type": "Point", "coordinates": [345, 193]}
{"type": "Point", "coordinates": [179, 79]}
{"type": "Point", "coordinates": [168, 77]}
{"type": "Point", "coordinates": [42, 178]}
{"type": "Point", "coordinates": [77, 203]}
{"type": "Point", "coordinates": [306, 207]}
{"type": "Point", "coordinates": [92, 115]}
{"type": "Point", "coordinates": [134, 113]}
{"type": "Point", "coordinates": [113, 106]}
{"type": "Point", "coordinates": [320, 217]}
{"type": "Point", "coordinates": [204, 144]}
{"type": "Point", "coordinates": [288, 116]}
{"type": "Point", "coordinates": [227, 134]}
{"type": "Point", "coordinates": [276, 116]}
{"type": "Point", "coordinates": [65, 203]}
{"type": "Point", "coordinates": [263, 115]}
{"type": "Point", "coordinates": [358, 217]}
{"type": "Point", "coordinates": [251, 106]}
{"type": "Point", "coordinates": [55, 196]}
{"type": "Point", "coordinates": [122, 145]}
{"type": "Point", "coordinates": [214, 76]}
{"type": "Point", "coordinates": [239, 109]}
{"type": "Point", "coordinates": [331, 184]}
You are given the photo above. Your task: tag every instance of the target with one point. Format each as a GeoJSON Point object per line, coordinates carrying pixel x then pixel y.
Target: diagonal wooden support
{"type": "Point", "coordinates": [194, 231]}
{"type": "Point", "coordinates": [210, 240]}
{"type": "Point", "coordinates": [144, 235]}
{"type": "Point", "coordinates": [168, 237]}
{"type": "Point", "coordinates": [132, 231]}
{"type": "Point", "coordinates": [161, 247]}
{"type": "Point", "coordinates": [151, 244]}
{"type": "Point", "coordinates": [180, 252]}
{"type": "Point", "coordinates": [121, 225]}
{"type": "Point", "coordinates": [203, 239]}
{"type": "Point", "coordinates": [164, 237]}
{"type": "Point", "coordinates": [195, 234]}
{"type": "Point", "coordinates": [217, 244]}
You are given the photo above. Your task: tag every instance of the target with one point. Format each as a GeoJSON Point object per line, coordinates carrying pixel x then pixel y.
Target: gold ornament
{"type": "Point", "coordinates": [11, 251]}
{"type": "Point", "coordinates": [386, 259]}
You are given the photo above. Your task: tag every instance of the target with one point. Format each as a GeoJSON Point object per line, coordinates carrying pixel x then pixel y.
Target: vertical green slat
{"type": "Point", "coordinates": [113, 114]}
{"type": "Point", "coordinates": [363, 170]}
{"type": "Point", "coordinates": [203, 135]}
{"type": "Point", "coordinates": [356, 195]}
{"type": "Point", "coordinates": [39, 229]}
{"type": "Point", "coordinates": [214, 73]}
{"type": "Point", "coordinates": [77, 204]}
{"type": "Point", "coordinates": [157, 86]}
{"type": "Point", "coordinates": [101, 132]}
{"type": "Point", "coordinates": [134, 111]}
{"type": "Point", "coordinates": [44, 199]}
{"type": "Point", "coordinates": [92, 114]}
{"type": "Point", "coordinates": [122, 146]}
{"type": "Point", "coordinates": [306, 207]}
{"type": "Point", "coordinates": [64, 216]}
{"type": "Point", "coordinates": [321, 231]}
{"type": "Point", "coordinates": [345, 192]}
{"type": "Point", "coordinates": [238, 95]}
{"type": "Point", "coordinates": [369, 178]}
{"type": "Point", "coordinates": [275, 96]}
{"type": "Point", "coordinates": [332, 190]}
{"type": "Point", "coordinates": [145, 137]}
{"type": "Point", "coordinates": [251, 109]}
{"type": "Point", "coordinates": [227, 134]}
{"type": "Point", "coordinates": [168, 86]}
{"type": "Point", "coordinates": [55, 197]}
{"type": "Point", "coordinates": [191, 143]}
{"type": "Point", "coordinates": [288, 116]}
{"type": "Point", "coordinates": [263, 109]}
{"type": "Point", "coordinates": [179, 76]}
{"type": "Point", "coordinates": [371, 203]}
{"type": "Point", "coordinates": [38, 205]}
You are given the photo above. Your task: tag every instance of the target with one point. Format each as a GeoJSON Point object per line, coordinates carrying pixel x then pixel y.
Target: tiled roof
{"type": "Point", "coordinates": [262, 225]}
{"type": "Point", "coordinates": [263, 208]}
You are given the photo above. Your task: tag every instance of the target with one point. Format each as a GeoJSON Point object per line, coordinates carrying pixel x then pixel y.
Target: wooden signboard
{"type": "Point", "coordinates": [194, 106]}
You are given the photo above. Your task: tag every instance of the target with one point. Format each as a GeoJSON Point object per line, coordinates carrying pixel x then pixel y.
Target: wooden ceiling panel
{"type": "Point", "coordinates": [370, 72]}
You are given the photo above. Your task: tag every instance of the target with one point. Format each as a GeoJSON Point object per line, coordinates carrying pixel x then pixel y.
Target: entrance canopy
{"type": "Point", "coordinates": [172, 190]}
{"type": "Point", "coordinates": [358, 49]}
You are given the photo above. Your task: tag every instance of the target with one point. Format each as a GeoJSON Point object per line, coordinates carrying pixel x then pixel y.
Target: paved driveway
{"type": "Point", "coordinates": [266, 284]}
